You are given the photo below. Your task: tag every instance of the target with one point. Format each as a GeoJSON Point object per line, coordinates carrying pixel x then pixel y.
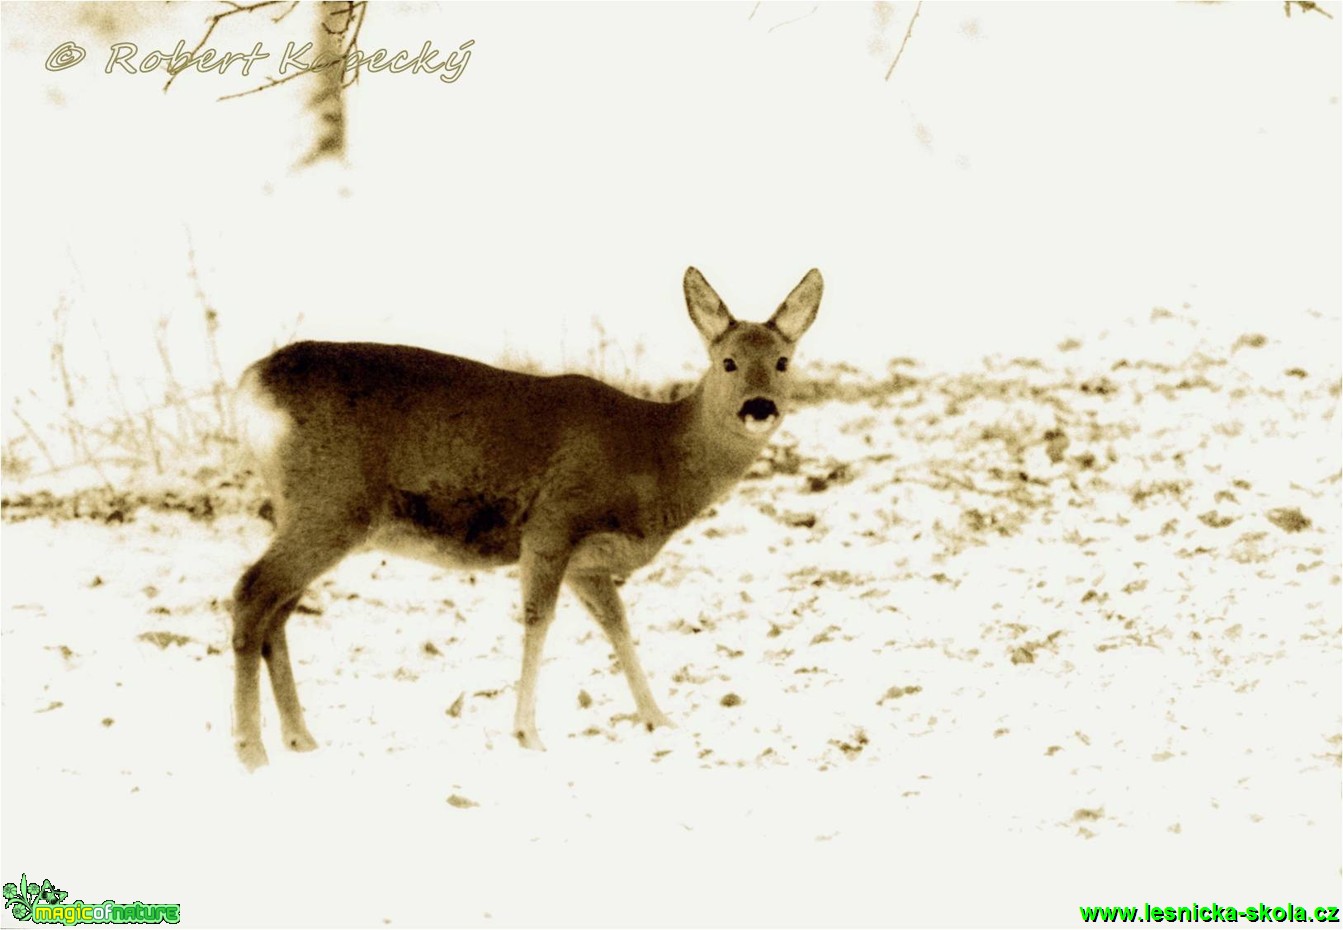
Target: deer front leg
{"type": "Point", "coordinates": [542, 573]}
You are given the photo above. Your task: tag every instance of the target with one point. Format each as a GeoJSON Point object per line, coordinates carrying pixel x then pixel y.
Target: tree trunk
{"type": "Point", "coordinates": [326, 87]}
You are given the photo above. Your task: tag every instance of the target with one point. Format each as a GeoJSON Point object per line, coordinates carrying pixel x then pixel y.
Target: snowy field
{"type": "Point", "coordinates": [967, 647]}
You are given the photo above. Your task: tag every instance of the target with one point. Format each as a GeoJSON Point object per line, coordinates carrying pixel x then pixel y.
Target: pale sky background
{"type": "Point", "coordinates": [1030, 172]}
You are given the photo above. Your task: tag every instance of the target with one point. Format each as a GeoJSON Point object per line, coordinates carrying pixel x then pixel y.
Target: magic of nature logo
{"type": "Point", "coordinates": [45, 904]}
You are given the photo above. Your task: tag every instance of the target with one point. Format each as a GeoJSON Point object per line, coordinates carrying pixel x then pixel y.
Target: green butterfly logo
{"type": "Point", "coordinates": [21, 898]}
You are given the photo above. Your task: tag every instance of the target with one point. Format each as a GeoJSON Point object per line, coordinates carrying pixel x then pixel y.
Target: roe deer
{"type": "Point", "coordinates": [441, 458]}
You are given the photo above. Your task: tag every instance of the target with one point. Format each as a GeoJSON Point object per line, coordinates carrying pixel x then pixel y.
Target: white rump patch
{"type": "Point", "coordinates": [262, 426]}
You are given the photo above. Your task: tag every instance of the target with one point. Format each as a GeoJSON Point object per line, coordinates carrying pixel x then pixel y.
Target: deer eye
{"type": "Point", "coordinates": [729, 365]}
{"type": "Point", "coordinates": [781, 364]}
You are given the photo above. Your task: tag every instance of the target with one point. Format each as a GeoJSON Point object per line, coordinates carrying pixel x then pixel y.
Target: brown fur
{"type": "Point", "coordinates": [460, 463]}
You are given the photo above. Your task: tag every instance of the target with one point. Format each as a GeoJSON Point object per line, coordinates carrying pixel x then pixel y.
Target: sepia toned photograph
{"type": "Point", "coordinates": [651, 464]}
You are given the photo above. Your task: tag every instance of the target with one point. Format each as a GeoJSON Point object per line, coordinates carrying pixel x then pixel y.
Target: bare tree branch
{"type": "Point", "coordinates": [355, 13]}
{"type": "Point", "coordinates": [909, 31]}
{"type": "Point", "coordinates": [293, 5]}
{"type": "Point", "coordinates": [1306, 6]}
{"type": "Point", "coordinates": [270, 82]}
{"type": "Point", "coordinates": [33, 435]}
{"type": "Point", "coordinates": [789, 22]}
{"type": "Point", "coordinates": [215, 20]}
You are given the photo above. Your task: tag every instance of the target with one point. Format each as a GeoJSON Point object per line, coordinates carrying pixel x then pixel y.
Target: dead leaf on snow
{"type": "Point", "coordinates": [163, 639]}
{"type": "Point", "coordinates": [1289, 519]}
{"type": "Point", "coordinates": [896, 691]}
{"type": "Point", "coordinates": [852, 747]}
{"type": "Point", "coordinates": [824, 636]}
{"type": "Point", "coordinates": [456, 709]}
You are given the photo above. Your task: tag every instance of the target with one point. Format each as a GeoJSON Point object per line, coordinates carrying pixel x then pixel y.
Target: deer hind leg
{"type": "Point", "coordinates": [542, 575]}
{"type": "Point", "coordinates": [275, 649]}
{"type": "Point", "coordinates": [262, 601]}
{"type": "Point", "coordinates": [599, 595]}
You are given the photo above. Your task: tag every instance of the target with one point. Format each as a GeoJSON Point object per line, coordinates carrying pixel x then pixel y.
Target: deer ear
{"type": "Point", "coordinates": [707, 310]}
{"type": "Point", "coordinates": [799, 308]}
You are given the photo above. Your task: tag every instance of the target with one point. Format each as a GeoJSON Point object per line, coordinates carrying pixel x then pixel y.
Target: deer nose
{"type": "Point", "coordinates": [758, 408]}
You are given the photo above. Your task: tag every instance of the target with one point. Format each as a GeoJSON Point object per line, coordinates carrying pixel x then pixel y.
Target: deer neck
{"type": "Point", "coordinates": [713, 455]}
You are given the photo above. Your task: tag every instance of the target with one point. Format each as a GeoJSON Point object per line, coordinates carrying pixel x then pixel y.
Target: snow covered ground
{"type": "Point", "coordinates": [969, 647]}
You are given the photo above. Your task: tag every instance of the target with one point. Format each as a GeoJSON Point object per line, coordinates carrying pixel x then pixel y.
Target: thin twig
{"type": "Point", "coordinates": [954, 479]}
{"type": "Point", "coordinates": [75, 430]}
{"type": "Point", "coordinates": [211, 332]}
{"type": "Point", "coordinates": [60, 316]}
{"type": "Point", "coordinates": [215, 21]}
{"type": "Point", "coordinates": [354, 41]}
{"type": "Point", "coordinates": [348, 13]}
{"type": "Point", "coordinates": [355, 13]}
{"type": "Point", "coordinates": [79, 445]}
{"type": "Point", "coordinates": [188, 425]}
{"type": "Point", "coordinates": [292, 6]}
{"type": "Point", "coordinates": [153, 446]}
{"type": "Point", "coordinates": [754, 8]}
{"type": "Point", "coordinates": [1307, 6]}
{"type": "Point", "coordinates": [115, 380]}
{"type": "Point", "coordinates": [32, 434]}
{"type": "Point", "coordinates": [908, 31]}
{"type": "Point", "coordinates": [270, 82]}
{"type": "Point", "coordinates": [795, 19]}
